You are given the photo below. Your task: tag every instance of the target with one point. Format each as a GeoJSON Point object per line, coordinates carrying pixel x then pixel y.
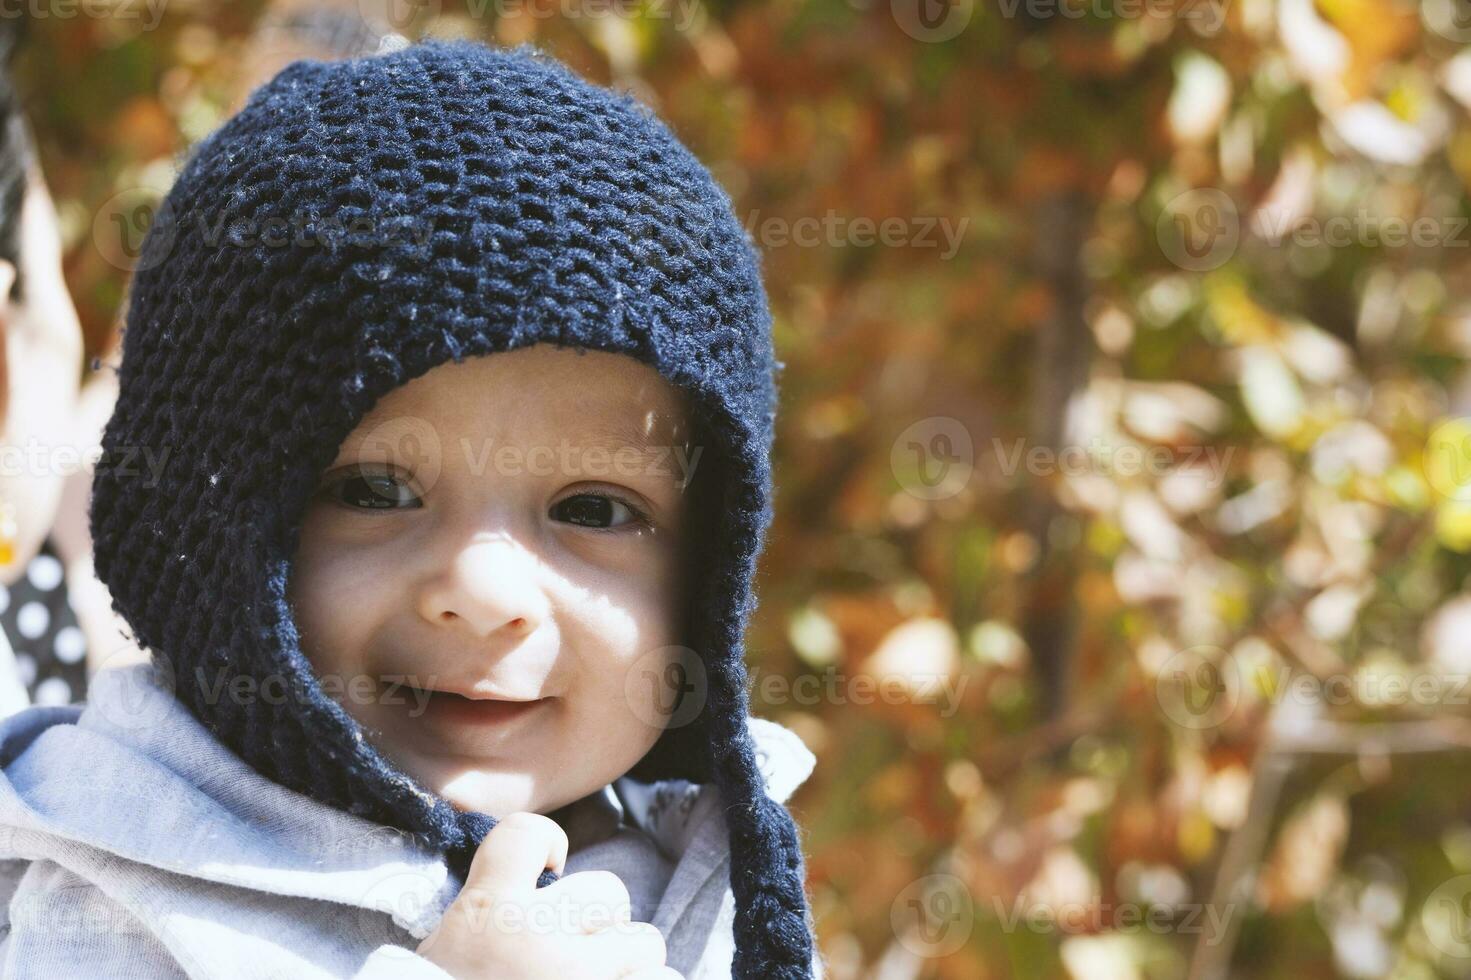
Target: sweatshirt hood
{"type": "Point", "coordinates": [133, 775]}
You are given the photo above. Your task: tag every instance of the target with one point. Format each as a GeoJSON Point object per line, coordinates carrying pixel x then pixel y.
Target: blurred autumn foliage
{"type": "Point", "coordinates": [1120, 572]}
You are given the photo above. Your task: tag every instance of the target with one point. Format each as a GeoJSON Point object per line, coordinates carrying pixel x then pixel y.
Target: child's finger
{"type": "Point", "coordinates": [601, 898]}
{"type": "Point", "coordinates": [515, 852]}
{"type": "Point", "coordinates": [633, 947]}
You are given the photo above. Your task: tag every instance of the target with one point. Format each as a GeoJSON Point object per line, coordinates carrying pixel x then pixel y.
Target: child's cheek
{"type": "Point", "coordinates": [331, 608]}
{"type": "Point", "coordinates": [650, 697]}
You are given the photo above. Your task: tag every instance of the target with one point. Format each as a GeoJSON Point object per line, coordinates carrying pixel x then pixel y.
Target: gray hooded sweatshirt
{"type": "Point", "coordinates": [134, 844]}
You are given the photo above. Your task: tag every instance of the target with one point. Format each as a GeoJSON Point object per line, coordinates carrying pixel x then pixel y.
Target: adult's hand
{"type": "Point", "coordinates": [42, 341]}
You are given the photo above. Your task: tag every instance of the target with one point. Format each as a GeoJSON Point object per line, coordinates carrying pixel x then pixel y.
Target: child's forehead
{"type": "Point", "coordinates": [595, 396]}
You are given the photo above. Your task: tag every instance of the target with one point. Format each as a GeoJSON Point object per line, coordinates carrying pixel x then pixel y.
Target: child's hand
{"type": "Point", "coordinates": [580, 927]}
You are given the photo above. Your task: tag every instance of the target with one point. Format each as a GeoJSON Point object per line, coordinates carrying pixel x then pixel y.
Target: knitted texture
{"type": "Point", "coordinates": [355, 225]}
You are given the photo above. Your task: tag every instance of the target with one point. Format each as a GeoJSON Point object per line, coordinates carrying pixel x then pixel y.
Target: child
{"type": "Point", "coordinates": [422, 352]}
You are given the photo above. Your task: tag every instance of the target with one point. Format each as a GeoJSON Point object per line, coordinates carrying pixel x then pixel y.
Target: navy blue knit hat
{"type": "Point", "coordinates": [355, 225]}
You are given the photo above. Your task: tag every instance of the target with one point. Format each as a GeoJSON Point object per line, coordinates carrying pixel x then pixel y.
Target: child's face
{"type": "Point", "coordinates": [512, 527]}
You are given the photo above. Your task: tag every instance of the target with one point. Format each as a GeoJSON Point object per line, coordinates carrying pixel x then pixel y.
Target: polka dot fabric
{"type": "Point", "coordinates": [356, 224]}
{"type": "Point", "coordinates": [50, 648]}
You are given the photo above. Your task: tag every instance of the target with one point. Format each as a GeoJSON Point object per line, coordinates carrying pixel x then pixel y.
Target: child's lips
{"type": "Point", "coordinates": [456, 710]}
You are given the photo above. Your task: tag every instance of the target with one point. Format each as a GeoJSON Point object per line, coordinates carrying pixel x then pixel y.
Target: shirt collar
{"type": "Point", "coordinates": [663, 809]}
{"type": "Point", "coordinates": [593, 818]}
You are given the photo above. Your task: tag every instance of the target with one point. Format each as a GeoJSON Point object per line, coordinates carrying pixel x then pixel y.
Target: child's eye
{"type": "Point", "coordinates": [371, 490]}
{"type": "Point", "coordinates": [599, 510]}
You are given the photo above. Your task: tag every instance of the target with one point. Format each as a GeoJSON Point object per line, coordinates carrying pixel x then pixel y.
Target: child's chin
{"type": "Point", "coordinates": [495, 793]}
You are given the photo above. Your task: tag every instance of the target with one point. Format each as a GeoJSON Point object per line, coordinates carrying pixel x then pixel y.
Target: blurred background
{"type": "Point", "coordinates": [1120, 572]}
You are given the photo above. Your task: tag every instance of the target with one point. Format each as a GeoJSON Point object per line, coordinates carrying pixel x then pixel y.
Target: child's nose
{"type": "Point", "coordinates": [487, 586]}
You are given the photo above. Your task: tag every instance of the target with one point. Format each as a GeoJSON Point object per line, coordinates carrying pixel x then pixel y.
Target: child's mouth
{"type": "Point", "coordinates": [456, 710]}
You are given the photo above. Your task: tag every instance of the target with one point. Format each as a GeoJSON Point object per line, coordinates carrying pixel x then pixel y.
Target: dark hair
{"type": "Point", "coordinates": [15, 150]}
